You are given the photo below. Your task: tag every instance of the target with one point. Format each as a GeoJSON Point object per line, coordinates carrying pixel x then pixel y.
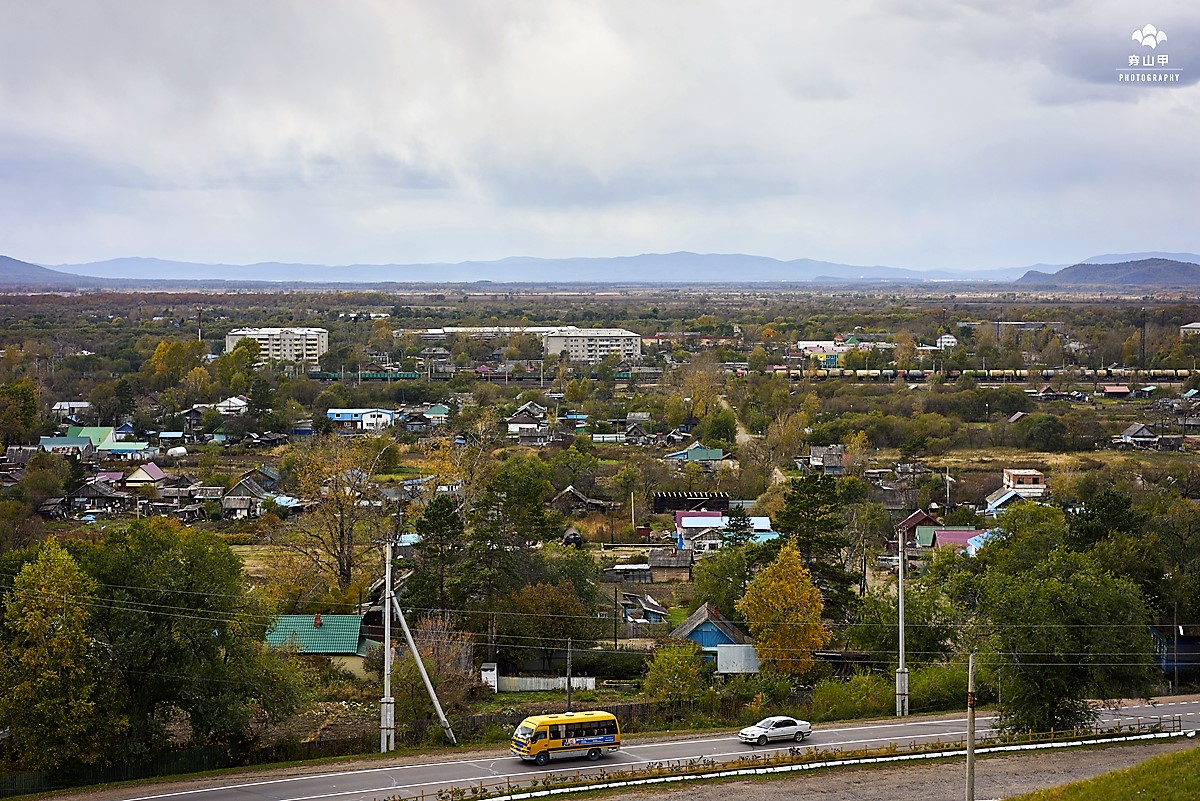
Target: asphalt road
{"type": "Point", "coordinates": [408, 780]}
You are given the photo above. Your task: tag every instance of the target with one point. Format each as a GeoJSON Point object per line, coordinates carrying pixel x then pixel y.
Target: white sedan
{"type": "Point", "coordinates": [776, 727]}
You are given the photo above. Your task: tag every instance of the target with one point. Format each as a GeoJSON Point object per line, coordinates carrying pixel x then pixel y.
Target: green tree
{"type": "Point", "coordinates": [18, 411]}
{"type": "Point", "coordinates": [185, 634]}
{"type": "Point", "coordinates": [738, 530]}
{"type": "Point", "coordinates": [541, 618]}
{"type": "Point", "coordinates": [676, 672]}
{"type": "Point", "coordinates": [575, 466]}
{"type": "Point", "coordinates": [1066, 632]}
{"type": "Point", "coordinates": [782, 608]}
{"type": "Point", "coordinates": [759, 359]}
{"type": "Point", "coordinates": [932, 623]}
{"type": "Point", "coordinates": [1105, 512]}
{"type": "Point", "coordinates": [19, 526]}
{"type": "Point", "coordinates": [812, 520]}
{"type": "Point", "coordinates": [507, 519]}
{"type": "Point", "coordinates": [720, 425]}
{"type": "Point", "coordinates": [721, 579]}
{"type": "Point", "coordinates": [440, 551]}
{"type": "Point", "coordinates": [54, 698]}
{"type": "Point", "coordinates": [262, 398]}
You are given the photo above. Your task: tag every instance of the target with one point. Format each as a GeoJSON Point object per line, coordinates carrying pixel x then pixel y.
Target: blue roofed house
{"type": "Point", "coordinates": [350, 420]}
{"type": "Point", "coordinates": [708, 629]}
{"type": "Point", "coordinates": [340, 638]}
{"type": "Point", "coordinates": [999, 500]}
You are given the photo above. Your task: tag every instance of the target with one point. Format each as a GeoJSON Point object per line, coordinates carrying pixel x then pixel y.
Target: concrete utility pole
{"type": "Point", "coordinates": [902, 670]}
{"type": "Point", "coordinates": [569, 674]}
{"type": "Point", "coordinates": [387, 704]}
{"type": "Point", "coordinates": [971, 728]}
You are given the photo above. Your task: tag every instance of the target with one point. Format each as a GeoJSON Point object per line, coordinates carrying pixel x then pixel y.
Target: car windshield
{"type": "Point", "coordinates": [523, 731]}
{"type": "Point", "coordinates": [765, 723]}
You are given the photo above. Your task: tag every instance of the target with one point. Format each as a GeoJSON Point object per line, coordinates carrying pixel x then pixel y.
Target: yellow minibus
{"type": "Point", "coordinates": [541, 738]}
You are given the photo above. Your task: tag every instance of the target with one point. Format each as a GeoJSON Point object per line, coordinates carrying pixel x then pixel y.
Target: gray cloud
{"type": "Point", "coordinates": [938, 134]}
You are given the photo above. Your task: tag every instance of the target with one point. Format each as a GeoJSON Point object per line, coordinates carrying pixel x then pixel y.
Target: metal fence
{"type": "Point", "coordinates": [634, 716]}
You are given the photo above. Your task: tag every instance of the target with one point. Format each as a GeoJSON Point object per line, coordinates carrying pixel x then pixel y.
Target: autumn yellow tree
{"type": "Point", "coordinates": [782, 608]}
{"type": "Point", "coordinates": [858, 449]}
{"type": "Point", "coordinates": [344, 516]}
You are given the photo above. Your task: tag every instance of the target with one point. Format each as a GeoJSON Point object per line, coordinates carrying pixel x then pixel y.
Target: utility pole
{"type": "Point", "coordinates": [387, 707]}
{"type": "Point", "coordinates": [1142, 362]}
{"type": "Point", "coordinates": [568, 674]}
{"type": "Point", "coordinates": [1175, 651]}
{"type": "Point", "coordinates": [970, 796]}
{"type": "Point", "coordinates": [387, 704]}
{"type": "Point", "coordinates": [616, 616]}
{"type": "Point", "coordinates": [902, 670]}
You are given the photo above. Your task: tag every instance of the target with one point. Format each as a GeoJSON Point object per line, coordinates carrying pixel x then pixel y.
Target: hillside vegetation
{"type": "Point", "coordinates": [1171, 777]}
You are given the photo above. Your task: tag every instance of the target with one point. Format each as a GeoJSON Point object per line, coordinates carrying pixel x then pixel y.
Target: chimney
{"type": "Point", "coordinates": [317, 620]}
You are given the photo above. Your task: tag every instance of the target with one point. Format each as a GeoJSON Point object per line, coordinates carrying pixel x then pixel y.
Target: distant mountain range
{"type": "Point", "coordinates": [1158, 273]}
{"type": "Point", "coordinates": [665, 267]}
{"type": "Point", "coordinates": [149, 273]}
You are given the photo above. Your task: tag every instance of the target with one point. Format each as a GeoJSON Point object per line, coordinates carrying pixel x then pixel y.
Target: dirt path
{"type": "Point", "coordinates": [743, 436]}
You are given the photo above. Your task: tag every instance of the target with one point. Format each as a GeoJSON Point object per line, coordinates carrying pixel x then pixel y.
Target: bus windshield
{"type": "Point", "coordinates": [523, 731]}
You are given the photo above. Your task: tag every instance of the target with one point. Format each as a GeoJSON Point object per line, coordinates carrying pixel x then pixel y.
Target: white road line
{"type": "Point", "coordinates": [726, 738]}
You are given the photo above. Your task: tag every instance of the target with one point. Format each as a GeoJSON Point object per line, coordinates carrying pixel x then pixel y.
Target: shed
{"type": "Point", "coordinates": [338, 637]}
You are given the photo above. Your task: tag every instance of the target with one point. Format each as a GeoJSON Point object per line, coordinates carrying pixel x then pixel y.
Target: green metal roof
{"type": "Point", "coordinates": [337, 634]}
{"type": "Point", "coordinates": [97, 434]}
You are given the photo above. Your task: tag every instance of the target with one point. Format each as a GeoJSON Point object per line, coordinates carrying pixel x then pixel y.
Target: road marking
{"type": "Point", "coordinates": [491, 771]}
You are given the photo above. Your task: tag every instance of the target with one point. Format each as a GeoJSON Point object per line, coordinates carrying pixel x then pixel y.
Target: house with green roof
{"type": "Point", "coordinates": [97, 434]}
{"type": "Point", "coordinates": [337, 637]}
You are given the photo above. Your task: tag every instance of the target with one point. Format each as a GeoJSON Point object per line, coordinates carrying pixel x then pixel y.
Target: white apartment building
{"type": "Point", "coordinates": [300, 345]}
{"type": "Point", "coordinates": [591, 345]}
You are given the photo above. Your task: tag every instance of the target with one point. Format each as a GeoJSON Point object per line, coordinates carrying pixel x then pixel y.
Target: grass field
{"type": "Point", "coordinates": [1172, 777]}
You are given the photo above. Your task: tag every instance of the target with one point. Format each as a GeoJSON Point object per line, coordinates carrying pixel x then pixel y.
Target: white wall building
{"type": "Point", "coordinates": [946, 341]}
{"type": "Point", "coordinates": [1026, 483]}
{"type": "Point", "coordinates": [300, 345]}
{"type": "Point", "coordinates": [591, 345]}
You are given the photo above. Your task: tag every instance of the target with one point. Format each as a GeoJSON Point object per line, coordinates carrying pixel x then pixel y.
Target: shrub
{"type": "Point", "coordinates": [938, 687]}
{"type": "Point", "coordinates": [863, 695]}
{"type": "Point", "coordinates": [619, 665]}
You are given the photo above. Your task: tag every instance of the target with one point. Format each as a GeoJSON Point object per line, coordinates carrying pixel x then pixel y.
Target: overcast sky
{"type": "Point", "coordinates": [915, 133]}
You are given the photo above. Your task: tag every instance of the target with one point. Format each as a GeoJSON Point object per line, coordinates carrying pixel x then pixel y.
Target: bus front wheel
{"type": "Point", "coordinates": [594, 754]}
{"type": "Point", "coordinates": [542, 758]}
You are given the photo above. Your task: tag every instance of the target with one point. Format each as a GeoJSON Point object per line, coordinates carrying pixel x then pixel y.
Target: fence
{"type": "Point", "coordinates": [634, 716]}
{"type": "Point", "coordinates": [520, 684]}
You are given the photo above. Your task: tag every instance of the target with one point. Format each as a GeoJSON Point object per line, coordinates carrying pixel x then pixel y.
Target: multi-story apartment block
{"type": "Point", "coordinates": [591, 345]}
{"type": "Point", "coordinates": [301, 345]}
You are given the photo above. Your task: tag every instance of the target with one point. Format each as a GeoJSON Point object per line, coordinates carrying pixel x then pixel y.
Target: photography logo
{"type": "Point", "coordinates": [1149, 63]}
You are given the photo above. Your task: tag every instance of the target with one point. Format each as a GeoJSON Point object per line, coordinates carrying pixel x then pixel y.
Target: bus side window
{"type": "Point", "coordinates": [540, 734]}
